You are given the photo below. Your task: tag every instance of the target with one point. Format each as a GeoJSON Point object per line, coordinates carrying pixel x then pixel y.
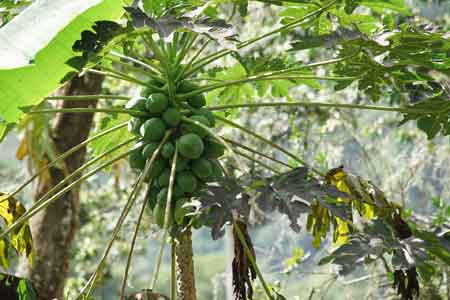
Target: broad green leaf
{"type": "Point", "coordinates": [26, 290]}
{"type": "Point", "coordinates": [38, 22]}
{"type": "Point", "coordinates": [16, 288]}
{"type": "Point", "coordinates": [394, 5]}
{"type": "Point", "coordinates": [5, 128]}
{"type": "Point", "coordinates": [114, 138]}
{"type": "Point", "coordinates": [233, 94]}
{"type": "Point", "coordinates": [27, 86]}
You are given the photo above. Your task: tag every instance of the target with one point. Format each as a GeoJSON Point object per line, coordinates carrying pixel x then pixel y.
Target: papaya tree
{"type": "Point", "coordinates": [196, 76]}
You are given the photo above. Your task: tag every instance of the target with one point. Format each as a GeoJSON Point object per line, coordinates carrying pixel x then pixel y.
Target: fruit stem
{"type": "Point", "coordinates": [112, 75]}
{"type": "Point", "coordinates": [130, 78]}
{"type": "Point", "coordinates": [149, 67]}
{"type": "Point", "coordinates": [135, 113]}
{"type": "Point", "coordinates": [40, 204]}
{"type": "Point", "coordinates": [131, 67]}
{"type": "Point", "coordinates": [130, 202]}
{"type": "Point", "coordinates": [274, 75]}
{"type": "Point", "coordinates": [87, 288]}
{"type": "Point", "coordinates": [79, 171]}
{"type": "Point", "coordinates": [87, 97]}
{"type": "Point", "coordinates": [148, 39]}
{"type": "Point", "coordinates": [254, 134]}
{"type": "Point", "coordinates": [172, 51]}
{"type": "Point", "coordinates": [192, 60]}
{"type": "Point", "coordinates": [257, 152]}
{"type": "Point", "coordinates": [191, 38]}
{"type": "Point", "coordinates": [321, 104]}
{"type": "Point", "coordinates": [61, 157]}
{"type": "Point", "coordinates": [133, 242]}
{"type": "Point", "coordinates": [166, 217]}
{"type": "Point", "coordinates": [305, 19]}
{"type": "Point", "coordinates": [252, 260]}
{"type": "Point", "coordinates": [256, 161]}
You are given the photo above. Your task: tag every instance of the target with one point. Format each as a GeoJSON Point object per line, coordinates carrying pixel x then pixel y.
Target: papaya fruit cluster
{"type": "Point", "coordinates": [197, 150]}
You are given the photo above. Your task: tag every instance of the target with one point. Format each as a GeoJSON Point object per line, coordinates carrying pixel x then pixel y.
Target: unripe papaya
{"type": "Point", "coordinates": [164, 178]}
{"type": "Point", "coordinates": [152, 198]}
{"type": "Point", "coordinates": [156, 169]}
{"type": "Point", "coordinates": [159, 213]}
{"type": "Point", "coordinates": [136, 103]}
{"type": "Point", "coordinates": [186, 87]}
{"type": "Point", "coordinates": [148, 150]}
{"type": "Point", "coordinates": [197, 101]}
{"type": "Point", "coordinates": [190, 146]}
{"type": "Point", "coordinates": [172, 117]}
{"type": "Point", "coordinates": [201, 168]}
{"type": "Point", "coordinates": [137, 161]}
{"type": "Point", "coordinates": [167, 150]}
{"type": "Point", "coordinates": [182, 164]}
{"type": "Point", "coordinates": [134, 125]}
{"type": "Point", "coordinates": [213, 149]}
{"type": "Point", "coordinates": [153, 130]}
{"type": "Point", "coordinates": [207, 114]}
{"type": "Point", "coordinates": [157, 103]}
{"type": "Point", "coordinates": [186, 181]}
{"type": "Point", "coordinates": [194, 128]}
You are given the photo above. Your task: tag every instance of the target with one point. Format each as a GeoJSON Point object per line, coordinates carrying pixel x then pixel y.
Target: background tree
{"type": "Point", "coordinates": [55, 227]}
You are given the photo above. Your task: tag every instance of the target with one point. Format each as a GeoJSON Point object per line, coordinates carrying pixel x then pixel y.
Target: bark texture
{"type": "Point", "coordinates": [185, 267]}
{"type": "Point", "coordinates": [54, 228]}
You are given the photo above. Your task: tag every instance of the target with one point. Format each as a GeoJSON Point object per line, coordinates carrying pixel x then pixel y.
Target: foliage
{"type": "Point", "coordinates": [16, 288]}
{"type": "Point", "coordinates": [49, 60]}
{"type": "Point", "coordinates": [21, 240]}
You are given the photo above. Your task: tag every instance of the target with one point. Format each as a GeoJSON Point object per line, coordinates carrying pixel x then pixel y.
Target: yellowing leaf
{"type": "Point", "coordinates": [342, 232]}
{"type": "Point", "coordinates": [4, 262]}
{"type": "Point", "coordinates": [365, 197]}
{"type": "Point", "coordinates": [21, 239]}
{"type": "Point", "coordinates": [22, 150]}
{"type": "Point", "coordinates": [295, 259]}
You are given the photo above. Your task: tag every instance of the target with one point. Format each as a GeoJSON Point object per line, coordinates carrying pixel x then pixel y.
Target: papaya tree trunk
{"type": "Point", "coordinates": [55, 227]}
{"type": "Point", "coordinates": [185, 267]}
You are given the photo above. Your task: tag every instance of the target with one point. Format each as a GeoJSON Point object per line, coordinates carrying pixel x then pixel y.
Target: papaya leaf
{"type": "Point", "coordinates": [234, 94]}
{"type": "Point", "coordinates": [432, 124]}
{"type": "Point", "coordinates": [16, 288]}
{"type": "Point", "coordinates": [329, 40]}
{"type": "Point", "coordinates": [21, 239]}
{"type": "Point", "coordinates": [398, 6]}
{"type": "Point", "coordinates": [437, 242]}
{"type": "Point", "coordinates": [93, 41]}
{"type": "Point", "coordinates": [106, 142]}
{"type": "Point", "coordinates": [5, 128]}
{"type": "Point", "coordinates": [166, 25]}
{"type": "Point", "coordinates": [295, 193]}
{"type": "Point", "coordinates": [391, 61]}
{"type": "Point", "coordinates": [219, 201]}
{"type": "Point", "coordinates": [49, 54]}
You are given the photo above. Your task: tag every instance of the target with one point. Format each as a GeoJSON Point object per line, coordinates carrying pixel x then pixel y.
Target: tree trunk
{"type": "Point", "coordinates": [185, 267]}
{"type": "Point", "coordinates": [54, 228]}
